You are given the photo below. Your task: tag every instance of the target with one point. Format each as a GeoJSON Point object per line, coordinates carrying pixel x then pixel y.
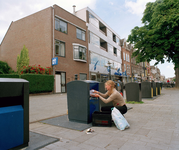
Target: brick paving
{"type": "Point", "coordinates": [154, 125]}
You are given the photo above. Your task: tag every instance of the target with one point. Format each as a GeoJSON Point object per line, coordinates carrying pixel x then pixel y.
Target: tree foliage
{"type": "Point", "coordinates": [158, 38]}
{"type": "Point", "coordinates": [22, 59]}
{"type": "Point", "coordinates": [4, 68]}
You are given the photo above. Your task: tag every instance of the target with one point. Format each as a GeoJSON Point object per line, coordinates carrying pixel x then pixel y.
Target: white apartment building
{"type": "Point", "coordinates": [104, 47]}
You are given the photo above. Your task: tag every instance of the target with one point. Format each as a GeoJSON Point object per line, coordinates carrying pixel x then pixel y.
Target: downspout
{"type": "Point", "coordinates": [53, 52]}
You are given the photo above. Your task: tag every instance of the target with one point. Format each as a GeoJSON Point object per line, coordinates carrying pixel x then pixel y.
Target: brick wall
{"type": "Point", "coordinates": [67, 64]}
{"type": "Point", "coordinates": [35, 33]}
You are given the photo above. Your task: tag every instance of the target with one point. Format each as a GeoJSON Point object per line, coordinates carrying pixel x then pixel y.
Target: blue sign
{"type": "Point", "coordinates": [117, 72]}
{"type": "Point", "coordinates": [54, 61]}
{"type": "Point", "coordinates": [95, 65]}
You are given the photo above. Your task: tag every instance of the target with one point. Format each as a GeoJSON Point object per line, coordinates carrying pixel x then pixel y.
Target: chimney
{"type": "Point", "coordinates": [74, 9]}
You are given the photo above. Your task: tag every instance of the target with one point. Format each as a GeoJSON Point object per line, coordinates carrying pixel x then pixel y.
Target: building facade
{"type": "Point", "coordinates": [83, 43]}
{"type": "Point", "coordinates": [52, 32]}
{"type": "Point", "coordinates": [104, 48]}
{"type": "Point", "coordinates": [126, 61]}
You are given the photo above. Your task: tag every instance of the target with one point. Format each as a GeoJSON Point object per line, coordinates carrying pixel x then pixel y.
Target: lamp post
{"type": "Point", "coordinates": [109, 69]}
{"type": "Point", "coordinates": [121, 42]}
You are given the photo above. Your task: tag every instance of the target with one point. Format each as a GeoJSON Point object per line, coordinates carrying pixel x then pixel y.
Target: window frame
{"type": "Point", "coordinates": [59, 48]}
{"type": "Point", "coordinates": [57, 20]}
{"type": "Point", "coordinates": [79, 46]}
{"type": "Point", "coordinates": [82, 31]}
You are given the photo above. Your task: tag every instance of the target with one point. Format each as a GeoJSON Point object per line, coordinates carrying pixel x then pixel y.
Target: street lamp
{"type": "Point", "coordinates": [109, 70]}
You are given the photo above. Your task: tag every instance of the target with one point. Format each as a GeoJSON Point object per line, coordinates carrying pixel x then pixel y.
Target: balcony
{"type": "Point", "coordinates": [114, 37]}
{"type": "Point", "coordinates": [102, 28]}
{"type": "Point", "coordinates": [103, 44]}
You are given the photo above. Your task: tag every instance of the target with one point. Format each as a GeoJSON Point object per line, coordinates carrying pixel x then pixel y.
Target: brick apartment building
{"type": "Point", "coordinates": [126, 61]}
{"type": "Point", "coordinates": [52, 32]}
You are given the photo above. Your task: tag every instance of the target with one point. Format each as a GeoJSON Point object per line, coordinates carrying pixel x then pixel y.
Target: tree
{"type": "Point", "coordinates": [4, 68]}
{"type": "Point", "coordinates": [23, 59]}
{"type": "Point", "coordinates": [158, 38]}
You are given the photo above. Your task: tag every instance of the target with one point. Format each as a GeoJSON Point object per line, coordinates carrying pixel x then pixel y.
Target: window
{"type": "Point", "coordinates": [118, 53]}
{"type": "Point", "coordinates": [59, 48]}
{"type": "Point", "coordinates": [93, 20]}
{"type": "Point", "coordinates": [115, 51]}
{"type": "Point", "coordinates": [94, 39]}
{"type": "Point", "coordinates": [109, 34]}
{"type": "Point", "coordinates": [95, 59]}
{"type": "Point", "coordinates": [124, 67]}
{"type": "Point", "coordinates": [123, 56]}
{"type": "Point", "coordinates": [110, 48]}
{"type": "Point", "coordinates": [79, 52]}
{"type": "Point", "coordinates": [83, 76]}
{"type": "Point", "coordinates": [117, 41]}
{"type": "Point", "coordinates": [60, 25]}
{"type": "Point", "coordinates": [80, 34]}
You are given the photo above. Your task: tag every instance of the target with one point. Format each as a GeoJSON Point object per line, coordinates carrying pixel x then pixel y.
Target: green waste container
{"type": "Point", "coordinates": [158, 85]}
{"type": "Point", "coordinates": [147, 89]}
{"type": "Point", "coordinates": [80, 104]}
{"type": "Point", "coordinates": [133, 91]}
{"type": "Point", "coordinates": [155, 89]}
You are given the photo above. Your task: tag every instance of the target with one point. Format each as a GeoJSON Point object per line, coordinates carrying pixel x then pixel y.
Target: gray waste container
{"type": "Point", "coordinates": [14, 113]}
{"type": "Point", "coordinates": [147, 89]}
{"type": "Point", "coordinates": [80, 104]}
{"type": "Point", "coordinates": [158, 85]}
{"type": "Point", "coordinates": [133, 91]}
{"type": "Point", "coordinates": [155, 91]}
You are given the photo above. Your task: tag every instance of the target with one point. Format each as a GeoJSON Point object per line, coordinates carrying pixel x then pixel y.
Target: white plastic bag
{"type": "Point", "coordinates": [119, 120]}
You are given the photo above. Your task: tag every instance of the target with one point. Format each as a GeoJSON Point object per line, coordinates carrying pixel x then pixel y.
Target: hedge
{"type": "Point", "coordinates": [9, 76]}
{"type": "Point", "coordinates": [39, 83]}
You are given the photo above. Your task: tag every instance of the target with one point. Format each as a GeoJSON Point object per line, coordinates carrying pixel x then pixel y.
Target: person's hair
{"type": "Point", "coordinates": [112, 84]}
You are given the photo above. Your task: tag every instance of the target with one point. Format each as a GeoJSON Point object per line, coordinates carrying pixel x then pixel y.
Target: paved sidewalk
{"type": "Point", "coordinates": [154, 125]}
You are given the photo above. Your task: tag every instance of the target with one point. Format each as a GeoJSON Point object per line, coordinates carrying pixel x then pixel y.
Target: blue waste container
{"type": "Point", "coordinates": [14, 113]}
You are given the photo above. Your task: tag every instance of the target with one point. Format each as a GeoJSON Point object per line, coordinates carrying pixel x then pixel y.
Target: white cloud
{"type": "Point", "coordinates": [137, 7]}
{"type": "Point", "coordinates": [111, 3]}
{"type": "Point", "coordinates": [11, 10]}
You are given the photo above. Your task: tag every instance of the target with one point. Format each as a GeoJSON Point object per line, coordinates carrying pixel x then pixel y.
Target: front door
{"type": "Point", "coordinates": [60, 81]}
{"type": "Point", "coordinates": [63, 82]}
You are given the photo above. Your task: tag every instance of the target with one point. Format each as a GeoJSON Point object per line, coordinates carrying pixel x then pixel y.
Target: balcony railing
{"type": "Point", "coordinates": [103, 48]}
{"type": "Point", "coordinates": [102, 31]}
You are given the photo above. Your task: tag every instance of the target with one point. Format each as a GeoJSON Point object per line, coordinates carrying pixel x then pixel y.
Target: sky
{"type": "Point", "coordinates": [121, 15]}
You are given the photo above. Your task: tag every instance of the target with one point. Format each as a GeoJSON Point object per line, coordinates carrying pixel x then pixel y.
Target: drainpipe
{"type": "Point", "coordinates": [53, 50]}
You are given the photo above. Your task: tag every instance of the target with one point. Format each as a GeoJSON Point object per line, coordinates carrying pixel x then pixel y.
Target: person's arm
{"type": "Point", "coordinates": [101, 94]}
{"type": "Point", "coordinates": [109, 99]}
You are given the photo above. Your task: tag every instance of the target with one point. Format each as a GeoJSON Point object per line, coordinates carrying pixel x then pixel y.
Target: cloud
{"type": "Point", "coordinates": [111, 3]}
{"type": "Point", "coordinates": [11, 10]}
{"type": "Point", "coordinates": [137, 7]}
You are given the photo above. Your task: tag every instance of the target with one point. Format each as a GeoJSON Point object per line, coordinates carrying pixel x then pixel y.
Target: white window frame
{"type": "Point", "coordinates": [79, 45]}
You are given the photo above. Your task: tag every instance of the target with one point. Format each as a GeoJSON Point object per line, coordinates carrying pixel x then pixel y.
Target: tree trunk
{"type": "Point", "coordinates": [177, 77]}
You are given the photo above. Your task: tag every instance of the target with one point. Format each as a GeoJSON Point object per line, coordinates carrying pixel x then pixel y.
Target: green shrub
{"type": "Point", "coordinates": [9, 76]}
{"type": "Point", "coordinates": [39, 83]}
{"type": "Point", "coordinates": [22, 59]}
{"type": "Point", "coordinates": [4, 68]}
